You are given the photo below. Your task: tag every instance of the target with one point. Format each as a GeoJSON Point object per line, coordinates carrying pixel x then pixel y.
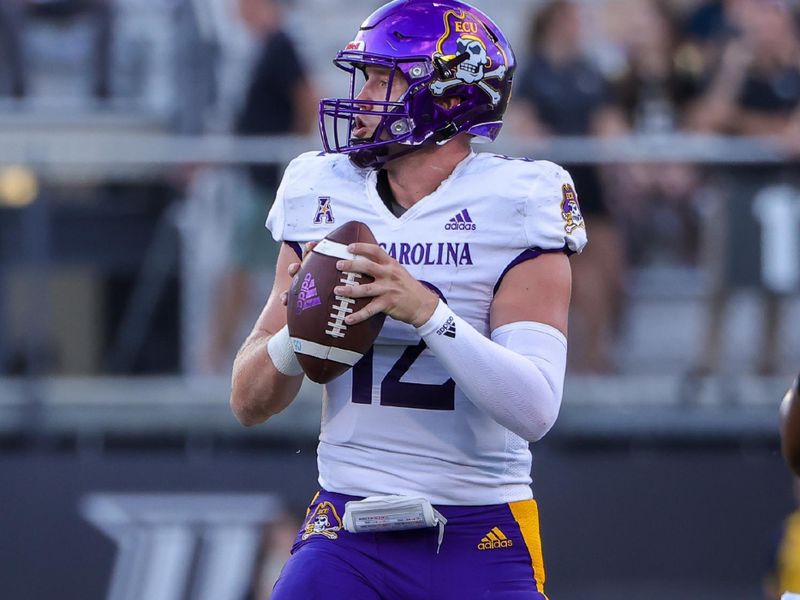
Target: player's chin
{"type": "Point", "coordinates": [362, 136]}
{"type": "Point", "coordinates": [370, 139]}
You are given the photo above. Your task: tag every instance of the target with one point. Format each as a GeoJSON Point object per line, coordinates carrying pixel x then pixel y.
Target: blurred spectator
{"type": "Point", "coordinates": [756, 87]}
{"type": "Point", "coordinates": [19, 17]}
{"type": "Point", "coordinates": [705, 31]}
{"type": "Point", "coordinates": [657, 85]}
{"type": "Point", "coordinates": [710, 22]}
{"type": "Point", "coordinates": [12, 81]}
{"type": "Point", "coordinates": [660, 220]}
{"type": "Point", "coordinates": [279, 100]}
{"type": "Point", "coordinates": [754, 91]}
{"type": "Point", "coordinates": [560, 92]}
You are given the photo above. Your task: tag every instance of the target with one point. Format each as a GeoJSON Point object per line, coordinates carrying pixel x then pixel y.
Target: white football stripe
{"type": "Point", "coordinates": [334, 249]}
{"type": "Point", "coordinates": [346, 357]}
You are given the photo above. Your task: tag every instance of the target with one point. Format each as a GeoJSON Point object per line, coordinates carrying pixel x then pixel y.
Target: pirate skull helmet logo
{"type": "Point", "coordinates": [469, 61]}
{"type": "Point", "coordinates": [472, 69]}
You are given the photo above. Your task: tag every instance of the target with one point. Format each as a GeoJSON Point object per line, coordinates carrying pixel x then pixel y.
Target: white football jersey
{"type": "Point", "coordinates": [396, 423]}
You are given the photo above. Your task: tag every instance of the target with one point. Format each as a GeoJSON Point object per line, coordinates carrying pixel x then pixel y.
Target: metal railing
{"type": "Point", "coordinates": [640, 407]}
{"type": "Point", "coordinates": [73, 148]}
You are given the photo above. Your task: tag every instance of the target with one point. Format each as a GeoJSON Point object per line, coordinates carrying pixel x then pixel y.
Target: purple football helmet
{"type": "Point", "coordinates": [443, 48]}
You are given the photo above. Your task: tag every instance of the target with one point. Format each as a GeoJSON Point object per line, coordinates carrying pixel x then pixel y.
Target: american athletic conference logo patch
{"type": "Point", "coordinates": [324, 214]}
{"type": "Point", "coordinates": [570, 209]}
{"type": "Point", "coordinates": [323, 521]}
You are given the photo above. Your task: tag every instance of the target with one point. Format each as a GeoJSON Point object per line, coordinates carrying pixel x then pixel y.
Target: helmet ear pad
{"type": "Point", "coordinates": [453, 112]}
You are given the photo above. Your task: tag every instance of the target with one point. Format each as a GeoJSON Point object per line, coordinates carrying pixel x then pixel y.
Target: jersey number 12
{"type": "Point", "coordinates": [397, 393]}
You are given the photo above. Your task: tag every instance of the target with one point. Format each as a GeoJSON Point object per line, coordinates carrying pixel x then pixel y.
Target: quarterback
{"type": "Point", "coordinates": [424, 464]}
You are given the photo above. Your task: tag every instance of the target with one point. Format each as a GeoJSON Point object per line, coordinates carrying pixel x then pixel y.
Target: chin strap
{"type": "Point", "coordinates": [375, 158]}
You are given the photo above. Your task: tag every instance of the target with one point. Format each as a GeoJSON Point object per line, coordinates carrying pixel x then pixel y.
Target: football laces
{"type": "Point", "coordinates": [342, 307]}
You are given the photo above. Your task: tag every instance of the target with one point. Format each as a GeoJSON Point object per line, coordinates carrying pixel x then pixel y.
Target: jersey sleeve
{"type": "Point", "coordinates": [280, 215]}
{"type": "Point", "coordinates": [553, 219]}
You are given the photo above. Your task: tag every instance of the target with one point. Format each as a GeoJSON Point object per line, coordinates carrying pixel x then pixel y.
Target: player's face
{"type": "Point", "coordinates": [374, 90]}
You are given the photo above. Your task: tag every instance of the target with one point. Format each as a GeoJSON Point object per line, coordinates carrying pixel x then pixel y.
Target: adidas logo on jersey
{"type": "Point", "coordinates": [461, 222]}
{"type": "Point", "coordinates": [448, 329]}
{"type": "Point", "coordinates": [495, 539]}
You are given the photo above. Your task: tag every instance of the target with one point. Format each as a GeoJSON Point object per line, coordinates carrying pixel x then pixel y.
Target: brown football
{"type": "Point", "coordinates": [325, 346]}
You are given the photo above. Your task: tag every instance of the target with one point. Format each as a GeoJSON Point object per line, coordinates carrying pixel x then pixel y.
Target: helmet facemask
{"type": "Point", "coordinates": [394, 133]}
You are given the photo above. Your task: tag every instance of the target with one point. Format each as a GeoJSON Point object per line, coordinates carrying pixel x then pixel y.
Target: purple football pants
{"type": "Point", "coordinates": [492, 552]}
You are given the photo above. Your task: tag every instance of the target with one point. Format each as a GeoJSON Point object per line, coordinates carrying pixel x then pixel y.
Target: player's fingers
{"type": "Point", "coordinates": [285, 298]}
{"type": "Point", "coordinates": [293, 269]}
{"type": "Point", "coordinates": [371, 251]}
{"type": "Point", "coordinates": [359, 264]}
{"type": "Point", "coordinates": [308, 247]}
{"type": "Point", "coordinates": [370, 310]}
{"type": "Point", "coordinates": [358, 291]}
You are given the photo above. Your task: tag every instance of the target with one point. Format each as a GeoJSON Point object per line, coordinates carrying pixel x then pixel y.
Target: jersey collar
{"type": "Point", "coordinates": [394, 222]}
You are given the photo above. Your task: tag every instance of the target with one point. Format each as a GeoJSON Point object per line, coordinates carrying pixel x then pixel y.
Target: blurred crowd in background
{"type": "Point", "coordinates": [258, 67]}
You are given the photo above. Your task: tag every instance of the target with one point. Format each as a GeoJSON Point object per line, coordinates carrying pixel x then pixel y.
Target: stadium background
{"type": "Point", "coordinates": [124, 474]}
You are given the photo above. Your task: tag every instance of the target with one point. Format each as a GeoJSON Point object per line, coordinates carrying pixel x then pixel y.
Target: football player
{"type": "Point", "coordinates": [424, 460]}
{"type": "Point", "coordinates": [790, 427]}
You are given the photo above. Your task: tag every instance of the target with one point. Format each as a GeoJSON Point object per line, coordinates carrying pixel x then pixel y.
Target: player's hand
{"type": "Point", "coordinates": [394, 291]}
{"type": "Point", "coordinates": [295, 267]}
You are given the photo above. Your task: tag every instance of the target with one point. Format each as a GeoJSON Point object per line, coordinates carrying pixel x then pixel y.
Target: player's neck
{"type": "Point", "coordinates": [419, 174]}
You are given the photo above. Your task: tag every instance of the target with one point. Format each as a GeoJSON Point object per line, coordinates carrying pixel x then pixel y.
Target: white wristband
{"type": "Point", "coordinates": [441, 319]}
{"type": "Point", "coordinates": [282, 355]}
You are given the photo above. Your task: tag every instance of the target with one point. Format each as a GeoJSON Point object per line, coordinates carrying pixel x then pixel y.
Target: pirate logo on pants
{"type": "Point", "coordinates": [323, 521]}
